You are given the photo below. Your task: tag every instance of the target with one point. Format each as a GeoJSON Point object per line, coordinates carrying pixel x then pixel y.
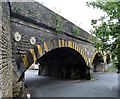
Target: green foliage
{"type": "Point", "coordinates": [41, 39]}
{"type": "Point", "coordinates": [18, 9]}
{"type": "Point", "coordinates": [57, 21]}
{"type": "Point", "coordinates": [111, 69]}
{"type": "Point", "coordinates": [76, 30]}
{"type": "Point", "coordinates": [30, 13]}
{"type": "Point", "coordinates": [107, 32]}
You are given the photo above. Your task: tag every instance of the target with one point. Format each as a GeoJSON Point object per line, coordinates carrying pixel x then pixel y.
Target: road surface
{"type": "Point", "coordinates": [104, 85]}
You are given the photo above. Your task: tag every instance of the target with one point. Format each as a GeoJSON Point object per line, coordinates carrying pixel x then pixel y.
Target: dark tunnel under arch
{"type": "Point", "coordinates": [24, 61]}
{"type": "Point", "coordinates": [63, 62]}
{"type": "Point", "coordinates": [98, 62]}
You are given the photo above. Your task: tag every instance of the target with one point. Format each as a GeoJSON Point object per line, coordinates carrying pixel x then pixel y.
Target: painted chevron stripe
{"type": "Point", "coordinates": [45, 46]}
{"type": "Point", "coordinates": [33, 54]}
{"type": "Point", "coordinates": [69, 43]}
{"type": "Point", "coordinates": [63, 43]}
{"type": "Point", "coordinates": [77, 47]}
{"type": "Point", "coordinates": [36, 52]}
{"type": "Point", "coordinates": [73, 45]}
{"type": "Point", "coordinates": [93, 56]}
{"type": "Point", "coordinates": [25, 61]}
{"type": "Point", "coordinates": [29, 57]}
{"type": "Point", "coordinates": [59, 43]}
{"type": "Point", "coordinates": [40, 50]}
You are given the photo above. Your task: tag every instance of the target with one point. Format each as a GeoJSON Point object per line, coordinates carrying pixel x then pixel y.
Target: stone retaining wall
{"type": "Point", "coordinates": [6, 76]}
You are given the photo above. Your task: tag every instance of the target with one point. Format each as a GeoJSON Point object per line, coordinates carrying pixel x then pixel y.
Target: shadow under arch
{"type": "Point", "coordinates": [98, 62]}
{"type": "Point", "coordinates": [24, 61]}
{"type": "Point", "coordinates": [63, 62]}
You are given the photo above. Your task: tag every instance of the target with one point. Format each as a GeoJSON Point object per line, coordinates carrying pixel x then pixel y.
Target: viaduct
{"type": "Point", "coordinates": [30, 32]}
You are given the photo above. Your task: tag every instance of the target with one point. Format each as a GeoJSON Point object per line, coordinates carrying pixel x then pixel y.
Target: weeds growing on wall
{"type": "Point", "coordinates": [58, 24]}
{"type": "Point", "coordinates": [76, 30]}
{"type": "Point", "coordinates": [56, 21]}
{"type": "Point", "coordinates": [18, 9]}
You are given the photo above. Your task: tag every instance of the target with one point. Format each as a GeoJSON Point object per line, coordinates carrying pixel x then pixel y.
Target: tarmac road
{"type": "Point", "coordinates": [104, 85]}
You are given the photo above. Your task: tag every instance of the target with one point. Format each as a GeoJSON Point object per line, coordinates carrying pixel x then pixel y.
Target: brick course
{"type": "Point", "coordinates": [6, 77]}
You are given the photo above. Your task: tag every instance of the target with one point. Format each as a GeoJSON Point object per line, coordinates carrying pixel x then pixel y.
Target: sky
{"type": "Point", "coordinates": [75, 11]}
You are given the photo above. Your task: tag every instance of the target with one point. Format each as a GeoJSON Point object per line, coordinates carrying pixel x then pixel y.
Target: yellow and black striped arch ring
{"type": "Point", "coordinates": [81, 52]}
{"type": "Point", "coordinates": [87, 61]}
{"type": "Point", "coordinates": [33, 54]}
{"type": "Point", "coordinates": [72, 44]}
{"type": "Point", "coordinates": [51, 44]}
{"type": "Point", "coordinates": [36, 52]}
{"type": "Point", "coordinates": [68, 43]}
{"type": "Point", "coordinates": [93, 57]}
{"type": "Point", "coordinates": [63, 43]}
{"type": "Point", "coordinates": [45, 46]}
{"type": "Point", "coordinates": [75, 46]}
{"type": "Point", "coordinates": [25, 61]}
{"type": "Point", "coordinates": [54, 44]}
{"type": "Point", "coordinates": [59, 43]}
{"type": "Point", "coordinates": [40, 50]}
{"type": "Point", "coordinates": [20, 63]}
{"type": "Point", "coordinates": [29, 57]}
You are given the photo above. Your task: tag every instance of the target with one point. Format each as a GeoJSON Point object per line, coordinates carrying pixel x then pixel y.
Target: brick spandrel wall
{"type": "Point", "coordinates": [6, 74]}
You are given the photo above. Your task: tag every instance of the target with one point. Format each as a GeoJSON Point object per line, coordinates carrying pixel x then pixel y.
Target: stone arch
{"type": "Point", "coordinates": [97, 61]}
{"type": "Point", "coordinates": [27, 59]}
{"type": "Point", "coordinates": [93, 56]}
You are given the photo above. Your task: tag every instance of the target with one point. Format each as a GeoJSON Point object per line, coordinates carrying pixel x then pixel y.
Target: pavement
{"type": "Point", "coordinates": [103, 85]}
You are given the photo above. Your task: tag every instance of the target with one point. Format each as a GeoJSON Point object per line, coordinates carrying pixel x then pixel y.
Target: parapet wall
{"type": "Point", "coordinates": [42, 15]}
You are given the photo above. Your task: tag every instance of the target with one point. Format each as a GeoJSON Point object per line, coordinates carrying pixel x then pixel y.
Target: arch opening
{"type": "Point", "coordinates": [67, 49]}
{"type": "Point", "coordinates": [98, 63]}
{"type": "Point", "coordinates": [108, 58]}
{"type": "Point", "coordinates": [63, 62]}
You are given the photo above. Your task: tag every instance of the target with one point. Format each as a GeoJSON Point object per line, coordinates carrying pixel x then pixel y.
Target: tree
{"type": "Point", "coordinates": [106, 29]}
